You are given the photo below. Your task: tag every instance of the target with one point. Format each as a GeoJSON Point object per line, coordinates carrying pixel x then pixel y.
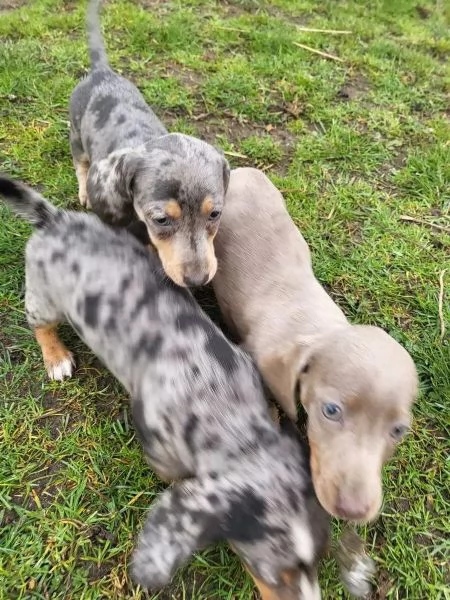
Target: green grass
{"type": "Point", "coordinates": [355, 145]}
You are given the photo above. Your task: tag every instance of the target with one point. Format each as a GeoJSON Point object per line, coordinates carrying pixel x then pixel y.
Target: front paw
{"type": "Point", "coordinates": [84, 199]}
{"type": "Point", "coordinates": [60, 367]}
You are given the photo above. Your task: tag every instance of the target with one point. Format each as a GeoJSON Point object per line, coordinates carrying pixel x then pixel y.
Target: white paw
{"type": "Point", "coordinates": [84, 198]}
{"type": "Point", "coordinates": [358, 578]}
{"type": "Point", "coordinates": [59, 371]}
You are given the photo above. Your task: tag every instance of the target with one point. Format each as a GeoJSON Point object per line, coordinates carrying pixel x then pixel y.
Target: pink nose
{"type": "Point", "coordinates": [352, 508]}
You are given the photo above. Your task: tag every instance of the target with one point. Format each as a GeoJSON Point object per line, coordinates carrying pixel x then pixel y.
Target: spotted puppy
{"type": "Point", "coordinates": [356, 382]}
{"type": "Point", "coordinates": [127, 164]}
{"type": "Point", "coordinates": [197, 402]}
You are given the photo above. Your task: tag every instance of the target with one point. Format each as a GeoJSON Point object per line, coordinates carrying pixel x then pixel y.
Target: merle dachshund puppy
{"type": "Point", "coordinates": [197, 401]}
{"type": "Point", "coordinates": [128, 165]}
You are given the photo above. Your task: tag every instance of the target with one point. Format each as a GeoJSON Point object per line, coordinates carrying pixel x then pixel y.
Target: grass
{"type": "Point", "coordinates": [354, 145]}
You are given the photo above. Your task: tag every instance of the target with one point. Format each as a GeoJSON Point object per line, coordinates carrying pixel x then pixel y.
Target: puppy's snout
{"type": "Point", "coordinates": [196, 280]}
{"type": "Point", "coordinates": [352, 508]}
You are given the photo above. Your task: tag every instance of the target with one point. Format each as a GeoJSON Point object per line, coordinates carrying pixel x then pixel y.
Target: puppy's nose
{"type": "Point", "coordinates": [352, 508]}
{"type": "Point", "coordinates": [191, 281]}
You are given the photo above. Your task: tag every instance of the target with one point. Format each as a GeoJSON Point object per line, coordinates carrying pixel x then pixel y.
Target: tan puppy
{"type": "Point", "coordinates": [356, 382]}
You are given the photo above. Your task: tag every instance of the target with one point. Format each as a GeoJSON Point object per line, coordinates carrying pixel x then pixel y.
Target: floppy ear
{"type": "Point", "coordinates": [185, 519]}
{"type": "Point", "coordinates": [280, 371]}
{"type": "Point", "coordinates": [110, 186]}
{"type": "Point", "coordinates": [226, 175]}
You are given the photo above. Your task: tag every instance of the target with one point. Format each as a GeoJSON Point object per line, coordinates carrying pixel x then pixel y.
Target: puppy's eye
{"type": "Point", "coordinates": [162, 221]}
{"type": "Point", "coordinates": [398, 431]}
{"type": "Point", "coordinates": [214, 215]}
{"type": "Point", "coordinates": [332, 411]}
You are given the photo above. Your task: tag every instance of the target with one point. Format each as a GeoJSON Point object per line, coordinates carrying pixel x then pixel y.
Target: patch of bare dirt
{"type": "Point", "coordinates": [355, 88]}
{"type": "Point", "coordinates": [7, 5]}
{"type": "Point", "coordinates": [384, 584]}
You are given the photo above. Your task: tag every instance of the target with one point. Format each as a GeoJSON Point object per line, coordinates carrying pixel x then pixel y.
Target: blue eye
{"type": "Point", "coordinates": [332, 411]}
{"type": "Point", "coordinates": [398, 431]}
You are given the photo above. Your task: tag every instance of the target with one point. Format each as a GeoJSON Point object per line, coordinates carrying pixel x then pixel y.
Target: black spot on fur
{"type": "Point", "coordinates": [189, 430]}
{"type": "Point", "coordinates": [111, 324]}
{"type": "Point", "coordinates": [98, 76]}
{"type": "Point", "coordinates": [78, 227]}
{"type": "Point", "coordinates": [218, 347]}
{"type": "Point", "coordinates": [43, 271]}
{"type": "Point", "coordinates": [166, 189]}
{"type": "Point", "coordinates": [89, 145]}
{"type": "Point", "coordinates": [168, 424]}
{"type": "Point", "coordinates": [245, 522]}
{"type": "Point", "coordinates": [121, 119]}
{"type": "Point", "coordinates": [111, 147]}
{"type": "Point", "coordinates": [293, 500]}
{"type": "Point", "coordinates": [213, 499]}
{"type": "Point", "coordinates": [264, 435]}
{"type": "Point", "coordinates": [132, 133]}
{"type": "Point", "coordinates": [57, 255]}
{"type": "Point", "coordinates": [155, 435]}
{"type": "Point", "coordinates": [148, 345]}
{"type": "Point", "coordinates": [103, 107]}
{"type": "Point", "coordinates": [91, 307]}
{"type": "Point", "coordinates": [95, 56]}
{"type": "Point", "coordinates": [212, 442]}
{"type": "Point", "coordinates": [167, 162]}
{"type": "Point", "coordinates": [144, 300]}
{"type": "Point", "coordinates": [75, 268]}
{"type": "Point", "coordinates": [140, 106]}
{"type": "Point", "coordinates": [195, 371]}
{"type": "Point", "coordinates": [125, 284]}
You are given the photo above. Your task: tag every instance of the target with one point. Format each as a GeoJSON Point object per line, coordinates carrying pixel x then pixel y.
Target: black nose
{"type": "Point", "coordinates": [195, 281]}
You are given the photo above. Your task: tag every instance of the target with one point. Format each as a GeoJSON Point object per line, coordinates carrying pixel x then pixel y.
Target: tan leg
{"type": "Point", "coordinates": [81, 169]}
{"type": "Point", "coordinates": [57, 359]}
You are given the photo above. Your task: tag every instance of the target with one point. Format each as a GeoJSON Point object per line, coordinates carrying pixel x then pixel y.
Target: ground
{"type": "Point", "coordinates": [355, 144]}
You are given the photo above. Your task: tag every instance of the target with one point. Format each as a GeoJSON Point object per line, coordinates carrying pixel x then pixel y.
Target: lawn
{"type": "Point", "coordinates": [355, 144]}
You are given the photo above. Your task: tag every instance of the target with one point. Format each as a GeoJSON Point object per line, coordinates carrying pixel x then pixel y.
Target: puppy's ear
{"type": "Point", "coordinates": [281, 370]}
{"type": "Point", "coordinates": [110, 186]}
{"type": "Point", "coordinates": [226, 175]}
{"type": "Point", "coordinates": [185, 519]}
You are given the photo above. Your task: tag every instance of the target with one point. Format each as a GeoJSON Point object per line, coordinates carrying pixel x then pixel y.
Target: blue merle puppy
{"type": "Point", "coordinates": [197, 401]}
{"type": "Point", "coordinates": [128, 165]}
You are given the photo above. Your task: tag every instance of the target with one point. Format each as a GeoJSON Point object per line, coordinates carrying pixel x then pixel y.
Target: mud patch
{"type": "Point", "coordinates": [355, 88]}
{"type": "Point", "coordinates": [7, 5]}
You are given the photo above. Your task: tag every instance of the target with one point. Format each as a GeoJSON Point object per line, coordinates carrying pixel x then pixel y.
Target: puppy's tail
{"type": "Point", "coordinates": [27, 203]}
{"type": "Point", "coordinates": [97, 50]}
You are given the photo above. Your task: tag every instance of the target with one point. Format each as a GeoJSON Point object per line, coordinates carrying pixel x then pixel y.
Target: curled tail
{"type": "Point", "coordinates": [97, 50]}
{"type": "Point", "coordinates": [27, 203]}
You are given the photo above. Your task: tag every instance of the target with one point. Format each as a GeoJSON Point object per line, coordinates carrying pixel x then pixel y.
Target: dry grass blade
{"type": "Point", "coordinates": [409, 219]}
{"type": "Point", "coordinates": [319, 52]}
{"type": "Point", "coordinates": [330, 31]}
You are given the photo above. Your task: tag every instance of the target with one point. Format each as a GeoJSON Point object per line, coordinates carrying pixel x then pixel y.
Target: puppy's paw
{"type": "Point", "coordinates": [84, 199]}
{"type": "Point", "coordinates": [60, 368]}
{"type": "Point", "coordinates": [357, 568]}
{"type": "Point", "coordinates": [358, 579]}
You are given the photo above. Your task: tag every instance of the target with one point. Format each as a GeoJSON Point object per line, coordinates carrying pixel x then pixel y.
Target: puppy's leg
{"type": "Point", "coordinates": [81, 164]}
{"type": "Point", "coordinates": [58, 360]}
{"type": "Point", "coordinates": [43, 318]}
{"type": "Point", "coordinates": [81, 170]}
